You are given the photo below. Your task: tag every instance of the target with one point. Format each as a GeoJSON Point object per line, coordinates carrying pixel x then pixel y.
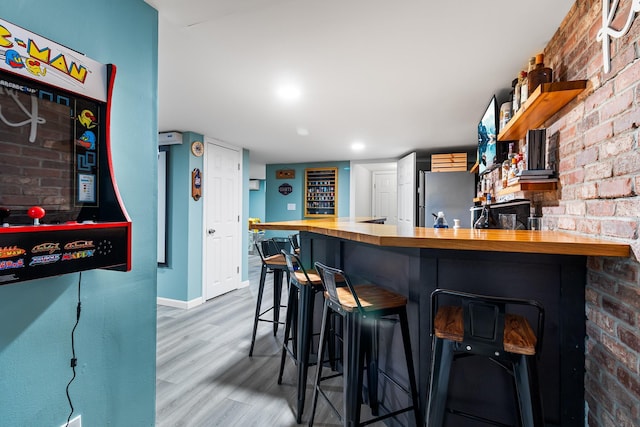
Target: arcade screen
{"type": "Point", "coordinates": [49, 143]}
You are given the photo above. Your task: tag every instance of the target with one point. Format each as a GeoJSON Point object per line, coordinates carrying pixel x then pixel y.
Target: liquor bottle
{"type": "Point", "coordinates": [524, 90]}
{"type": "Point", "coordinates": [516, 95]}
{"type": "Point", "coordinates": [514, 83]}
{"type": "Point", "coordinates": [540, 74]}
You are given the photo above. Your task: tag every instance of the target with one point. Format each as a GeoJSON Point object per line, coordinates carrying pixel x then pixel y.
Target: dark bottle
{"type": "Point", "coordinates": [540, 74]}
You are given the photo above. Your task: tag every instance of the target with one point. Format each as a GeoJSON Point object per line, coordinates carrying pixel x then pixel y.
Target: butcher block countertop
{"type": "Point", "coordinates": [539, 242]}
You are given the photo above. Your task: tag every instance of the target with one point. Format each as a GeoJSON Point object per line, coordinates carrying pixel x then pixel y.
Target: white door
{"type": "Point", "coordinates": [222, 196]}
{"type": "Point", "coordinates": [407, 191]}
{"type": "Point", "coordinates": [385, 196]}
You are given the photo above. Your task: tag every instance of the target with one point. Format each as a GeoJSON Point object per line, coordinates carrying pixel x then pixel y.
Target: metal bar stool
{"type": "Point", "coordinates": [304, 284]}
{"type": "Point", "coordinates": [294, 239]}
{"type": "Point", "coordinates": [272, 262]}
{"type": "Point", "coordinates": [361, 306]}
{"type": "Point", "coordinates": [480, 326]}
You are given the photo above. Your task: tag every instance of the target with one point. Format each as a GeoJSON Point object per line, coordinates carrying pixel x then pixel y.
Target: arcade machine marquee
{"type": "Point", "coordinates": [60, 210]}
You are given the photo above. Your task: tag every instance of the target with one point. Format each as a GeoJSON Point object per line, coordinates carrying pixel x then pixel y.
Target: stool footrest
{"type": "Point", "coordinates": [385, 416]}
{"type": "Point", "coordinates": [477, 418]}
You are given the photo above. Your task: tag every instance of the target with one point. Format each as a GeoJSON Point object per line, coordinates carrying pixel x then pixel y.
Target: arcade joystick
{"type": "Point", "coordinates": [4, 213]}
{"type": "Point", "coordinates": [36, 212]}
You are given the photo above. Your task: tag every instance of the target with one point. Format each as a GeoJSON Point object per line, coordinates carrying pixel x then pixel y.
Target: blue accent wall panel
{"type": "Point", "coordinates": [115, 341]}
{"type": "Point", "coordinates": [276, 204]}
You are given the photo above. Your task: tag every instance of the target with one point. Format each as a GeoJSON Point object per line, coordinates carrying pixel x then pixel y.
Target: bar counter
{"type": "Point", "coordinates": [548, 266]}
{"type": "Point", "coordinates": [537, 242]}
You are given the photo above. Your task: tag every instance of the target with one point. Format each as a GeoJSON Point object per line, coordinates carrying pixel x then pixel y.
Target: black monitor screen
{"type": "Point", "coordinates": [487, 138]}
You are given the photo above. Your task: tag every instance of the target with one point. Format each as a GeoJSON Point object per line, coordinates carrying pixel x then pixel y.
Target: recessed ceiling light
{"type": "Point", "coordinates": [357, 146]}
{"type": "Point", "coordinates": [289, 92]}
{"type": "Point", "coordinates": [302, 131]}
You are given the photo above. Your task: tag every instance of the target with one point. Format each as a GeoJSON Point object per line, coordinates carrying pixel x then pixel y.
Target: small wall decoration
{"type": "Point", "coordinates": [285, 174]}
{"type": "Point", "coordinates": [606, 32]}
{"type": "Point", "coordinates": [196, 184]}
{"type": "Point", "coordinates": [285, 189]}
{"type": "Point", "coordinates": [197, 148]}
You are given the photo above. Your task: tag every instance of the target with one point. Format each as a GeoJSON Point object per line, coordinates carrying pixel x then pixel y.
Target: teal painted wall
{"type": "Point", "coordinates": [276, 204]}
{"type": "Point", "coordinates": [257, 202]}
{"type": "Point", "coordinates": [181, 279]}
{"type": "Point", "coordinates": [116, 337]}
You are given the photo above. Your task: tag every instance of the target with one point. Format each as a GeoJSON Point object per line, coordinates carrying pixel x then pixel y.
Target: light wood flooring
{"type": "Point", "coordinates": [205, 376]}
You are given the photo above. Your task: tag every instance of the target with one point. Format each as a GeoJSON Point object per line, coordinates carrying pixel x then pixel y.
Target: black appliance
{"type": "Point", "coordinates": [520, 207]}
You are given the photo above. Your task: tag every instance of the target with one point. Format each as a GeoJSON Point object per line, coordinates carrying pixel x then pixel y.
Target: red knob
{"type": "Point", "coordinates": [35, 212]}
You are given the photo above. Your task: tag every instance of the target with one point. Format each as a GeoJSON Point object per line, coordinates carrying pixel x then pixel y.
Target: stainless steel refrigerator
{"type": "Point", "coordinates": [449, 192]}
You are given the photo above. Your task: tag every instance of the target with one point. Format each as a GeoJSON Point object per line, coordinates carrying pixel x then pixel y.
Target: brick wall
{"type": "Point", "coordinates": [596, 141]}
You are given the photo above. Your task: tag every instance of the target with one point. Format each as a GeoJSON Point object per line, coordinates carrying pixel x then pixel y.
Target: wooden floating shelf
{"type": "Point", "coordinates": [528, 186]}
{"type": "Point", "coordinates": [544, 102]}
{"type": "Point", "coordinates": [475, 168]}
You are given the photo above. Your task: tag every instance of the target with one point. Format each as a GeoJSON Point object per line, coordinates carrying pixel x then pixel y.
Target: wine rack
{"type": "Point", "coordinates": [321, 192]}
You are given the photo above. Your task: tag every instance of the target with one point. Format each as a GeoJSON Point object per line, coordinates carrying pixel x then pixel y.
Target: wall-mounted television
{"type": "Point", "coordinates": [488, 137]}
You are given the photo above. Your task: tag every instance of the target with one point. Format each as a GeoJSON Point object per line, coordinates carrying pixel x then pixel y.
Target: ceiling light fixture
{"type": "Point", "coordinates": [302, 131]}
{"type": "Point", "coordinates": [357, 146]}
{"type": "Point", "coordinates": [289, 92]}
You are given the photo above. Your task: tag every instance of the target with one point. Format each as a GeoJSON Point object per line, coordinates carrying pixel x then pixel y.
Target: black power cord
{"type": "Point", "coordinates": [74, 360]}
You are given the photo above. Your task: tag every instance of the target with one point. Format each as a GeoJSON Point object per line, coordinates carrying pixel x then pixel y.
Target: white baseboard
{"type": "Point", "coordinates": [180, 304]}
{"type": "Point", "coordinates": [185, 305]}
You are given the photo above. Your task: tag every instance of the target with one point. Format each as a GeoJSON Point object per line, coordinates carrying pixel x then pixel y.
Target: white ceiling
{"type": "Point", "coordinates": [397, 75]}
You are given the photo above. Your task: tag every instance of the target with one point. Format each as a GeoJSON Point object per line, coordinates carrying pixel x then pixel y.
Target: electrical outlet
{"type": "Point", "coordinates": [74, 422]}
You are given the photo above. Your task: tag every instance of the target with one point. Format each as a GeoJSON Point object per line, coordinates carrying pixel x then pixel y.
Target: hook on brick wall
{"type": "Point", "coordinates": [606, 32]}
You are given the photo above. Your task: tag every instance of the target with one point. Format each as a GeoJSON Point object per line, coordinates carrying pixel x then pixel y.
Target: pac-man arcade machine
{"type": "Point", "coordinates": [60, 210]}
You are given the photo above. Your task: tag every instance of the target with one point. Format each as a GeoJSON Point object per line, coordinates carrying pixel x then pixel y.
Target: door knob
{"type": "Point", "coordinates": [211, 231]}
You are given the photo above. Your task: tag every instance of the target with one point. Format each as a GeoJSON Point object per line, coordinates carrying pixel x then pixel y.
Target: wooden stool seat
{"type": "Point", "coordinates": [518, 336]}
{"type": "Point", "coordinates": [314, 278]}
{"type": "Point", "coordinates": [277, 259]}
{"type": "Point", "coordinates": [372, 298]}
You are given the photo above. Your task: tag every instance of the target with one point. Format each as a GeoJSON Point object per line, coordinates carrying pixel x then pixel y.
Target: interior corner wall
{"type": "Point", "coordinates": [362, 180]}
{"type": "Point", "coordinates": [257, 202]}
{"type": "Point", "coordinates": [245, 213]}
{"type": "Point", "coordinates": [181, 278]}
{"type": "Point", "coordinates": [277, 205]}
{"type": "Point", "coordinates": [115, 341]}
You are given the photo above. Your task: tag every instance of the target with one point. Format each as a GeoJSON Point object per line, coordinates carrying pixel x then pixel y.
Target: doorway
{"type": "Point", "coordinates": [385, 196]}
{"type": "Point", "coordinates": [222, 231]}
{"type": "Point", "coordinates": [362, 188]}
